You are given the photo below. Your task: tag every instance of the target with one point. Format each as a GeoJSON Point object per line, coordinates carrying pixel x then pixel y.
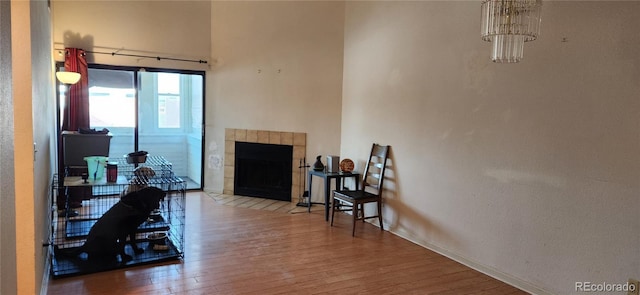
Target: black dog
{"type": "Point", "coordinates": [108, 236]}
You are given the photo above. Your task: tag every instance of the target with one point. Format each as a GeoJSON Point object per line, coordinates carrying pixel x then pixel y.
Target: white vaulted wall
{"type": "Point", "coordinates": [529, 172]}
{"type": "Point", "coordinates": [278, 67]}
{"type": "Point", "coordinates": [175, 29]}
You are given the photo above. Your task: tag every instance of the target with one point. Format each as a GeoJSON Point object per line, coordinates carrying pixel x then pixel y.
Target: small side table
{"type": "Point", "coordinates": [327, 176]}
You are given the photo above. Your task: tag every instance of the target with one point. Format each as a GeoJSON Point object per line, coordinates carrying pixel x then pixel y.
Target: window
{"type": "Point", "coordinates": [108, 107]}
{"type": "Point", "coordinates": [169, 107]}
{"type": "Point", "coordinates": [111, 99]}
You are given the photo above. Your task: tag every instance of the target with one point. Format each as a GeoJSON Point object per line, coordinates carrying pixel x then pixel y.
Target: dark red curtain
{"type": "Point", "coordinates": [76, 109]}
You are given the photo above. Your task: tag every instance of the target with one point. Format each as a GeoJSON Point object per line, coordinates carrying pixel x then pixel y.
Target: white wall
{"type": "Point", "coordinates": [8, 276]}
{"type": "Point", "coordinates": [528, 172]}
{"type": "Point", "coordinates": [30, 98]}
{"type": "Point", "coordinates": [278, 68]}
{"type": "Point", "coordinates": [175, 29]}
{"type": "Point", "coordinates": [44, 138]}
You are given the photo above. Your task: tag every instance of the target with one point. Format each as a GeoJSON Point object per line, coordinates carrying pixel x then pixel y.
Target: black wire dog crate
{"type": "Point", "coordinates": [161, 236]}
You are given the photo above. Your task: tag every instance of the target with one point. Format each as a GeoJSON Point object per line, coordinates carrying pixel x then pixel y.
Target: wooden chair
{"type": "Point", "coordinates": [372, 179]}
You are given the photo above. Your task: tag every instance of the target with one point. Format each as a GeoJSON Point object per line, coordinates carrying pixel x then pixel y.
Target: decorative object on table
{"type": "Point", "coordinates": [333, 164]}
{"type": "Point", "coordinates": [95, 166]}
{"type": "Point", "coordinates": [508, 24]}
{"type": "Point", "coordinates": [112, 171]}
{"type": "Point", "coordinates": [318, 166]}
{"type": "Point", "coordinates": [346, 166]}
{"type": "Point", "coordinates": [137, 157]}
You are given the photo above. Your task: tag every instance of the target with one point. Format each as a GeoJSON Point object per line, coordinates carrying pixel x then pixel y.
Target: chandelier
{"type": "Point", "coordinates": [508, 24]}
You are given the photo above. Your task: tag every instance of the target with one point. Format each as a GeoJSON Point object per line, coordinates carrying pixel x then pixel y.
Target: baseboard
{"type": "Point", "coordinates": [44, 288]}
{"type": "Point", "coordinates": [496, 274]}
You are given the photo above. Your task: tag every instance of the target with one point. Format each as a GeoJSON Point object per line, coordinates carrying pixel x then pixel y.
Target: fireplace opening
{"type": "Point", "coordinates": [263, 170]}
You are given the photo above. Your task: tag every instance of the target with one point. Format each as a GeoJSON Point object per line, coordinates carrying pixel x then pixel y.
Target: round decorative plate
{"type": "Point", "coordinates": [346, 165]}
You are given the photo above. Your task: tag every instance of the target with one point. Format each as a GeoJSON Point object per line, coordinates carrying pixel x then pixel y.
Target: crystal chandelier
{"type": "Point", "coordinates": [508, 24]}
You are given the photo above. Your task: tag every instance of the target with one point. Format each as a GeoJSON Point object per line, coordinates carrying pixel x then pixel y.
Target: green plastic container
{"type": "Point", "coordinates": [95, 165]}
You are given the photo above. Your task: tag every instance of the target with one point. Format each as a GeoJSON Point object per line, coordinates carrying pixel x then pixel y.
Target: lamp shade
{"type": "Point", "coordinates": [68, 77]}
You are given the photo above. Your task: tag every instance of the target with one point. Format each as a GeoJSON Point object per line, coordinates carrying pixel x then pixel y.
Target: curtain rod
{"type": "Point", "coordinates": [148, 56]}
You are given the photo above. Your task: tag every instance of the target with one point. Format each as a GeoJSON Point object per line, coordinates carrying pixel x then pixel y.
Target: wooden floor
{"type": "Point", "coordinates": [236, 250]}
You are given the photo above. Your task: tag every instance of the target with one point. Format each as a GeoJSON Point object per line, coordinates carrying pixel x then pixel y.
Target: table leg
{"type": "Point", "coordinates": [327, 188]}
{"type": "Point", "coordinates": [357, 182]}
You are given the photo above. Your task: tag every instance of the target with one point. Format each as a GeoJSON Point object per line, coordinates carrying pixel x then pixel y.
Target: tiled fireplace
{"type": "Point", "coordinates": [297, 140]}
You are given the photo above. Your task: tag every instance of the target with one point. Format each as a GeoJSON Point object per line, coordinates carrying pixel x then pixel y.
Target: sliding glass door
{"type": "Point", "coordinates": [163, 117]}
{"type": "Point", "coordinates": [170, 108]}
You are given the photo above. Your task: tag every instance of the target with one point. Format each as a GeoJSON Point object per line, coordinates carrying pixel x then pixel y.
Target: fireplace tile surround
{"type": "Point", "coordinates": [296, 139]}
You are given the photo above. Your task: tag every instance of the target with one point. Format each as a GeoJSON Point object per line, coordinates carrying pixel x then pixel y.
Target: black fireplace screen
{"type": "Point", "coordinates": [263, 170]}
